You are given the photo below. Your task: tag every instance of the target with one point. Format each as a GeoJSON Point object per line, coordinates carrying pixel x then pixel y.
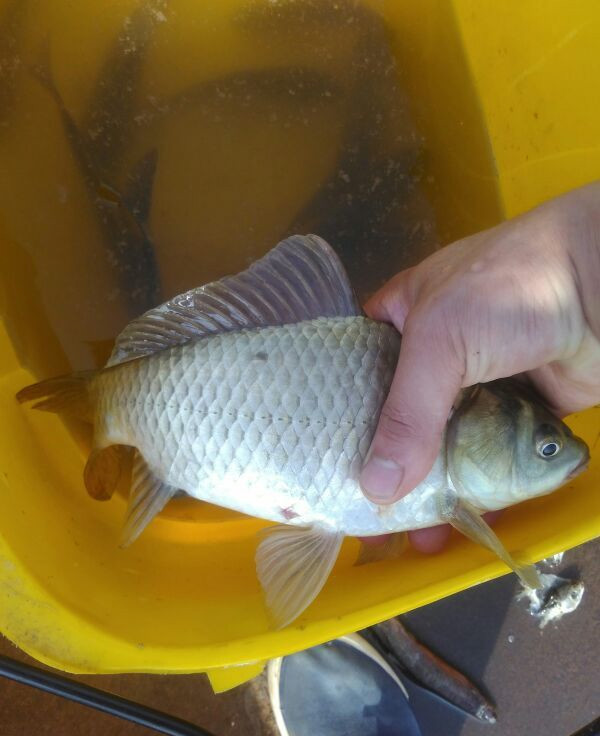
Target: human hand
{"type": "Point", "coordinates": [521, 298]}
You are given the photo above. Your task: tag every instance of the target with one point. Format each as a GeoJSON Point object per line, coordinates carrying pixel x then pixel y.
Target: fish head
{"type": "Point", "coordinates": [504, 445]}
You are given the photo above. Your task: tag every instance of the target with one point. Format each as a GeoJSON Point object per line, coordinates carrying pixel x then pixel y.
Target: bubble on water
{"type": "Point", "coordinates": [159, 16]}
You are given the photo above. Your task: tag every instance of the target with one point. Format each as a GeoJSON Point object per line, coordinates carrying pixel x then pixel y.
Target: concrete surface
{"type": "Point", "coordinates": [544, 683]}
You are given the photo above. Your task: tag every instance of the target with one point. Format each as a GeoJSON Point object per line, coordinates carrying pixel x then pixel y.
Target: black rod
{"type": "Point", "coordinates": [98, 699]}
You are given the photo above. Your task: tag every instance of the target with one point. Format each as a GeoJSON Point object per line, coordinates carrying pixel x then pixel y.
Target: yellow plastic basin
{"type": "Point", "coordinates": [504, 98]}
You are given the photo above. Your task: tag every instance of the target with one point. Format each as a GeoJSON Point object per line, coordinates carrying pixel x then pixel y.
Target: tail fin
{"type": "Point", "coordinates": [65, 394]}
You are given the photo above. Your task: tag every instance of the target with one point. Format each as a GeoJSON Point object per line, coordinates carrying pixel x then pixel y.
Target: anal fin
{"type": "Point", "coordinates": [468, 521]}
{"type": "Point", "coordinates": [148, 496]}
{"type": "Point", "coordinates": [293, 564]}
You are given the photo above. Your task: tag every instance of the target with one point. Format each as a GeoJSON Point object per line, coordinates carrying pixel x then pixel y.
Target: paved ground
{"type": "Point", "coordinates": [542, 682]}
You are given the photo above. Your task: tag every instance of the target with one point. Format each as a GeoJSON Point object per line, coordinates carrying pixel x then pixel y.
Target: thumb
{"type": "Point", "coordinates": [427, 380]}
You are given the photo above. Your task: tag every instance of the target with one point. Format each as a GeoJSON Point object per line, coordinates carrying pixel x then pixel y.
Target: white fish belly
{"type": "Point", "coordinates": [274, 422]}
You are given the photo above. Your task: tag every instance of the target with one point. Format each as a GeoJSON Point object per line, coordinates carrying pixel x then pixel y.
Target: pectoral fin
{"type": "Point", "coordinates": [292, 565]}
{"type": "Point", "coordinates": [467, 519]}
{"type": "Point", "coordinates": [391, 549]}
{"type": "Point", "coordinates": [149, 495]}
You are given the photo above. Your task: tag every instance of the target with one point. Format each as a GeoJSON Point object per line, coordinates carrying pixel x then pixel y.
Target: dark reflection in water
{"type": "Point", "coordinates": [146, 185]}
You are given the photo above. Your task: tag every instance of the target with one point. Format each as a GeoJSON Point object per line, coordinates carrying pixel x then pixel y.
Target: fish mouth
{"type": "Point", "coordinates": [579, 468]}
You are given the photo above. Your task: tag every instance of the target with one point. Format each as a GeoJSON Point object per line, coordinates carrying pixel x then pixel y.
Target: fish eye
{"type": "Point", "coordinates": [548, 448]}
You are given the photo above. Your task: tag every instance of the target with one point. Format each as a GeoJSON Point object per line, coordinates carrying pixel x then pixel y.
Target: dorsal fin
{"type": "Point", "coordinates": [301, 278]}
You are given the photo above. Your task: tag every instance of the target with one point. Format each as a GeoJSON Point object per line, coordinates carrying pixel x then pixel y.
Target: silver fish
{"type": "Point", "coordinates": [261, 393]}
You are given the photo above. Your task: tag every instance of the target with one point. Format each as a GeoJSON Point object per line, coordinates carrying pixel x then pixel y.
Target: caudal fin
{"type": "Point", "coordinates": [65, 394]}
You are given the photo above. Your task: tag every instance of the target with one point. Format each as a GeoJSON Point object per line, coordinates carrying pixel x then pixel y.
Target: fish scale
{"type": "Point", "coordinates": [275, 422]}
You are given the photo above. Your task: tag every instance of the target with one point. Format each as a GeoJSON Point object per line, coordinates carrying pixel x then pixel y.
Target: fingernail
{"type": "Point", "coordinates": [380, 479]}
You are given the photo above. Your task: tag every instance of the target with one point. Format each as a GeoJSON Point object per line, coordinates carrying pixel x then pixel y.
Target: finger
{"type": "Point", "coordinates": [391, 302]}
{"type": "Point", "coordinates": [431, 540]}
{"type": "Point", "coordinates": [427, 380]}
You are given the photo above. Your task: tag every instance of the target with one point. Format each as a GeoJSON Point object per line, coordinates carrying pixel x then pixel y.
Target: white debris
{"type": "Point", "coordinates": [554, 560]}
{"type": "Point", "coordinates": [556, 597]}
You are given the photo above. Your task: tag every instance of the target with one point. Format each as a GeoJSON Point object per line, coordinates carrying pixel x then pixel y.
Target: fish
{"type": "Point", "coordinates": [261, 392]}
{"type": "Point", "coordinates": [137, 193]}
{"type": "Point", "coordinates": [371, 202]}
{"type": "Point", "coordinates": [305, 85]}
{"type": "Point", "coordinates": [109, 121]}
{"type": "Point", "coordinates": [99, 143]}
{"type": "Point", "coordinates": [407, 655]}
{"type": "Point", "coordinates": [125, 234]}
